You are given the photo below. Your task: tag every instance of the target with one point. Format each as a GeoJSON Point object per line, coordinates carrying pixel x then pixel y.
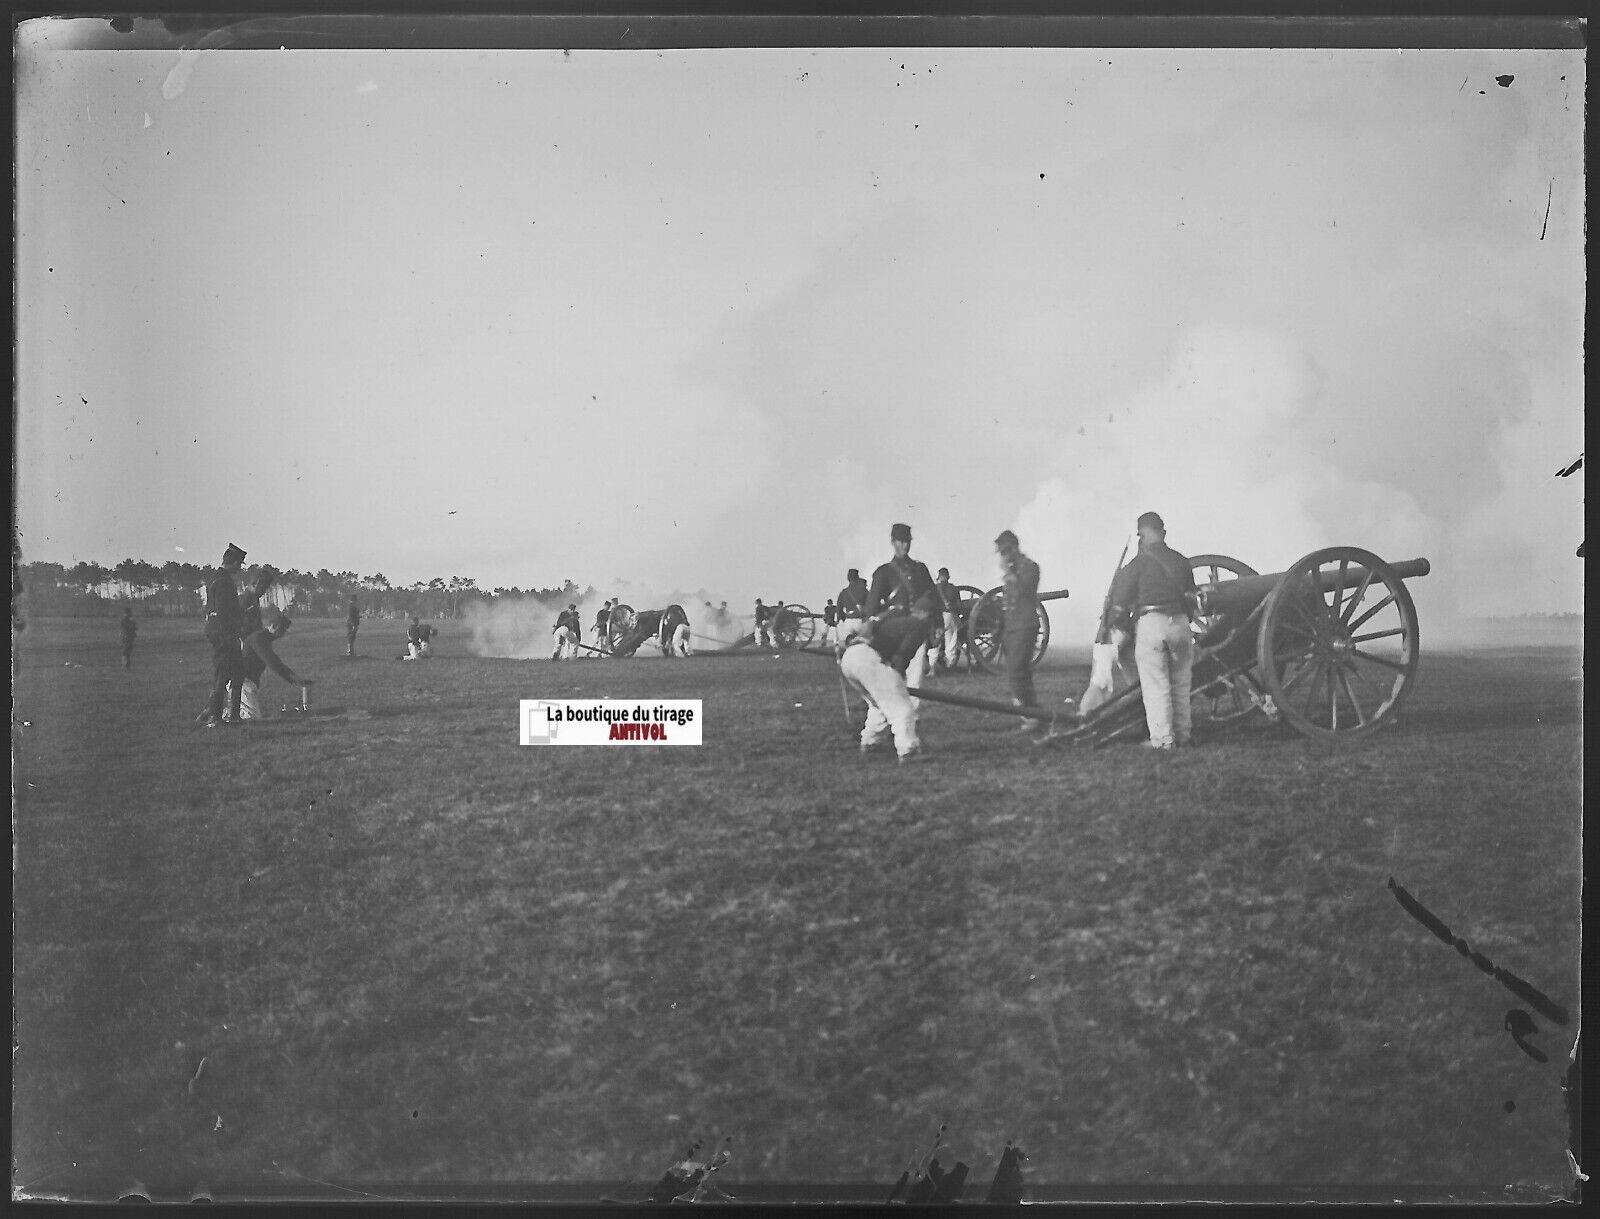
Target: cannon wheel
{"type": "Point", "coordinates": [1229, 697]}
{"type": "Point", "coordinates": [1338, 653]}
{"type": "Point", "coordinates": [984, 623]}
{"type": "Point", "coordinates": [971, 594]}
{"type": "Point", "coordinates": [619, 624]}
{"type": "Point", "coordinates": [795, 626]}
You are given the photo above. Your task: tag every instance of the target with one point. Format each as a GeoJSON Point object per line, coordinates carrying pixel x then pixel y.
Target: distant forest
{"type": "Point", "coordinates": [51, 590]}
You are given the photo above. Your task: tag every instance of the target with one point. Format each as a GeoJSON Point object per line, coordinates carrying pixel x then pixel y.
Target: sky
{"type": "Point", "coordinates": [716, 319]}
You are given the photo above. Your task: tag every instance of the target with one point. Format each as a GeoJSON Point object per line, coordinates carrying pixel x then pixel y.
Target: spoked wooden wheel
{"type": "Point", "coordinates": [970, 595]}
{"type": "Point", "coordinates": [619, 624]}
{"type": "Point", "coordinates": [1209, 571]}
{"type": "Point", "coordinates": [986, 626]}
{"type": "Point", "coordinates": [1338, 647]}
{"type": "Point", "coordinates": [794, 626]}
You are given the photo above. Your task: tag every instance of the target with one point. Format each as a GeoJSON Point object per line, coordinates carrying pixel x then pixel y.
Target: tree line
{"type": "Point", "coordinates": [172, 589]}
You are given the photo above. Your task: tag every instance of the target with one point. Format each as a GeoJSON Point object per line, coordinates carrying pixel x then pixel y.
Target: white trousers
{"type": "Point", "coordinates": [889, 707]}
{"type": "Point", "coordinates": [566, 644]}
{"type": "Point", "coordinates": [680, 641]}
{"type": "Point", "coordinates": [952, 637]}
{"type": "Point", "coordinates": [918, 668]}
{"type": "Point", "coordinates": [1163, 649]}
{"type": "Point", "coordinates": [249, 700]}
{"type": "Point", "coordinates": [764, 636]}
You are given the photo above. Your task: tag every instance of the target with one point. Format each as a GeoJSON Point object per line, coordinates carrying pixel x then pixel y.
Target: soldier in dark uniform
{"type": "Point", "coordinates": [352, 623]}
{"type": "Point", "coordinates": [904, 586]}
{"type": "Point", "coordinates": [130, 631]}
{"type": "Point", "coordinates": [1156, 590]}
{"type": "Point", "coordinates": [602, 625]}
{"type": "Point", "coordinates": [224, 625]}
{"type": "Point", "coordinates": [873, 662]}
{"type": "Point", "coordinates": [949, 633]}
{"type": "Point", "coordinates": [673, 633]}
{"type": "Point", "coordinates": [1021, 625]}
{"type": "Point", "coordinates": [830, 624]}
{"type": "Point", "coordinates": [763, 628]}
{"type": "Point", "coordinates": [568, 631]}
{"type": "Point", "coordinates": [259, 656]}
{"type": "Point", "coordinates": [853, 596]}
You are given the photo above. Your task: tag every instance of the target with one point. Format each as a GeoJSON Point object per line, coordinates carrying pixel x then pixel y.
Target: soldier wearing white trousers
{"type": "Point", "coordinates": [1163, 649]}
{"type": "Point", "coordinates": [1156, 589]}
{"type": "Point", "coordinates": [889, 708]}
{"type": "Point", "coordinates": [947, 646]}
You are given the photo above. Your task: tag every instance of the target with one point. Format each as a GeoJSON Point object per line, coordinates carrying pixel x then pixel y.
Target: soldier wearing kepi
{"type": "Point", "coordinates": [568, 631]}
{"type": "Point", "coordinates": [673, 633]}
{"type": "Point", "coordinates": [224, 623]}
{"type": "Point", "coordinates": [903, 586]}
{"type": "Point", "coordinates": [602, 625]}
{"type": "Point", "coordinates": [1021, 626]}
{"type": "Point", "coordinates": [873, 661]}
{"type": "Point", "coordinates": [1156, 590]}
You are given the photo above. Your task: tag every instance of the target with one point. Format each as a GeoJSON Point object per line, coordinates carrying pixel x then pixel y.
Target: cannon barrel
{"type": "Point", "coordinates": [1241, 596]}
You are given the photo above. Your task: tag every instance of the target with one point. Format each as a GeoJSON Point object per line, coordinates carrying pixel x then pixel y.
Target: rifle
{"type": "Point", "coordinates": [1103, 634]}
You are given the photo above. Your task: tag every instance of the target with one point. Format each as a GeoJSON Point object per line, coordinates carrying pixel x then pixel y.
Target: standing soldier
{"type": "Point", "coordinates": [224, 623]}
{"type": "Point", "coordinates": [1156, 589]}
{"type": "Point", "coordinates": [873, 662]}
{"type": "Point", "coordinates": [1021, 625]}
{"type": "Point", "coordinates": [130, 629]}
{"type": "Point", "coordinates": [352, 623]}
{"type": "Point", "coordinates": [950, 600]}
{"type": "Point", "coordinates": [852, 597]}
{"type": "Point", "coordinates": [830, 624]}
{"type": "Point", "coordinates": [903, 586]}
{"type": "Point", "coordinates": [602, 625]}
{"type": "Point", "coordinates": [764, 616]}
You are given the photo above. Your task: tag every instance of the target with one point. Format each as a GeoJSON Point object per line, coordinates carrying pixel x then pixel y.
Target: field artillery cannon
{"type": "Point", "coordinates": [983, 626]}
{"type": "Point", "coordinates": [1329, 647]}
{"type": "Point", "coordinates": [793, 626]}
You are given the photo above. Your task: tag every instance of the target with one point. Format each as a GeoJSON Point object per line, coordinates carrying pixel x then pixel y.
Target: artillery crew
{"type": "Point", "coordinates": [1021, 626]}
{"type": "Point", "coordinates": [130, 631]}
{"type": "Point", "coordinates": [1156, 592]}
{"type": "Point", "coordinates": [602, 624]}
{"type": "Point", "coordinates": [259, 656]}
{"type": "Point", "coordinates": [873, 662]}
{"type": "Point", "coordinates": [352, 624]}
{"type": "Point", "coordinates": [223, 629]}
{"type": "Point", "coordinates": [904, 586]}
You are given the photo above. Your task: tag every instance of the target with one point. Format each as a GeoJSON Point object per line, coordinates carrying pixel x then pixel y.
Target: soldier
{"type": "Point", "coordinates": [903, 586]}
{"type": "Point", "coordinates": [568, 631]}
{"type": "Point", "coordinates": [873, 661]}
{"type": "Point", "coordinates": [259, 656]}
{"type": "Point", "coordinates": [1156, 590]}
{"type": "Point", "coordinates": [130, 630]}
{"type": "Point", "coordinates": [224, 621]}
{"type": "Point", "coordinates": [764, 618]}
{"type": "Point", "coordinates": [1021, 621]}
{"type": "Point", "coordinates": [830, 624]}
{"type": "Point", "coordinates": [950, 634]}
{"type": "Point", "coordinates": [852, 597]}
{"type": "Point", "coordinates": [352, 623]}
{"type": "Point", "coordinates": [673, 633]}
{"type": "Point", "coordinates": [602, 625]}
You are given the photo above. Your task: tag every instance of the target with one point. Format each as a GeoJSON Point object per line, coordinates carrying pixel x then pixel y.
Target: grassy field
{"type": "Point", "coordinates": [405, 949]}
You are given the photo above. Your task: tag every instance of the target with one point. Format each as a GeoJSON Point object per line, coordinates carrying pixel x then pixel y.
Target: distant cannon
{"type": "Point", "coordinates": [984, 626]}
{"type": "Point", "coordinates": [793, 627]}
